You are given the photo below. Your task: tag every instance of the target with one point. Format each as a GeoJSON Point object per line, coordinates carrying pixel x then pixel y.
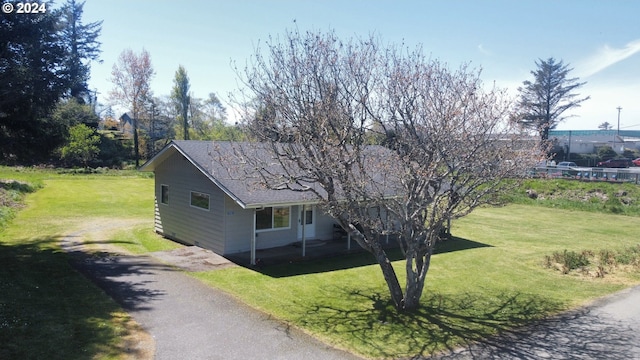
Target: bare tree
{"type": "Point", "coordinates": [549, 96]}
{"type": "Point", "coordinates": [448, 142]}
{"type": "Point", "coordinates": [131, 77]}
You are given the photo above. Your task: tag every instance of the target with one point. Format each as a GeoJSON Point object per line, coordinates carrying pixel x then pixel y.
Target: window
{"type": "Point", "coordinates": [200, 200]}
{"type": "Point", "coordinates": [164, 194]}
{"type": "Point", "coordinates": [272, 218]}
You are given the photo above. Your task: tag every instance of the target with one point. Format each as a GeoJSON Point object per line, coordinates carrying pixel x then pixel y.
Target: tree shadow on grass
{"type": "Point", "coordinates": [336, 261]}
{"type": "Point", "coordinates": [48, 310]}
{"type": "Point", "coordinates": [443, 323]}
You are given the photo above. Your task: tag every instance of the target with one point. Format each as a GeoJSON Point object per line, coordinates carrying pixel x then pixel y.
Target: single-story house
{"type": "Point", "coordinates": [204, 196]}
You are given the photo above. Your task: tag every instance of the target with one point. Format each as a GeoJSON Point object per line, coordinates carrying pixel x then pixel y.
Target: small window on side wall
{"type": "Point", "coordinates": [164, 194]}
{"type": "Point", "coordinates": [200, 200]}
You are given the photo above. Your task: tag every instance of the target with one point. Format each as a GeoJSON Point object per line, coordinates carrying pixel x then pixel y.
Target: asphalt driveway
{"type": "Point", "coordinates": [189, 320]}
{"type": "Point", "coordinates": [607, 329]}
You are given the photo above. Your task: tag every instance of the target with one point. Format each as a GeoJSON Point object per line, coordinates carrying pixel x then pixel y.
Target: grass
{"type": "Point", "coordinates": [47, 309]}
{"type": "Point", "coordinates": [471, 292]}
{"type": "Point", "coordinates": [492, 277]}
{"type": "Point", "coordinates": [593, 196]}
{"type": "Point", "coordinates": [141, 240]}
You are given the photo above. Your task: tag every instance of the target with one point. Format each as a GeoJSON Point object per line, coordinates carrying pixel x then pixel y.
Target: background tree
{"type": "Point", "coordinates": [32, 80]}
{"type": "Point", "coordinates": [545, 99]}
{"type": "Point", "coordinates": [449, 142]}
{"type": "Point", "coordinates": [131, 77]}
{"type": "Point", "coordinates": [82, 46]}
{"type": "Point", "coordinates": [159, 122]}
{"type": "Point", "coordinates": [82, 146]}
{"type": "Point", "coordinates": [182, 99]}
{"type": "Point", "coordinates": [605, 126]}
{"type": "Point", "coordinates": [71, 112]}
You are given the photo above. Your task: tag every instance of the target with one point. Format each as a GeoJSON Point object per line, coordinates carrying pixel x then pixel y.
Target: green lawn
{"type": "Point", "coordinates": [491, 278]}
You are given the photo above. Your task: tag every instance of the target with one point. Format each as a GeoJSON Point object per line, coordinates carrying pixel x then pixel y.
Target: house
{"type": "Point", "coordinates": [125, 124]}
{"type": "Point", "coordinates": [156, 128]}
{"type": "Point", "coordinates": [205, 195]}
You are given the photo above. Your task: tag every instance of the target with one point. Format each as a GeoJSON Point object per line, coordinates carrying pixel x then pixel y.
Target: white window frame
{"type": "Point", "coordinates": [191, 193]}
{"type": "Point", "coordinates": [288, 227]}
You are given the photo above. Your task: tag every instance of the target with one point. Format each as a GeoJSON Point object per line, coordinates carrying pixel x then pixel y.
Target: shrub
{"type": "Point", "coordinates": [569, 260]}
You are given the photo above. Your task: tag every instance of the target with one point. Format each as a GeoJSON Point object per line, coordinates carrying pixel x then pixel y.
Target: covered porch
{"type": "Point", "coordinates": [298, 252]}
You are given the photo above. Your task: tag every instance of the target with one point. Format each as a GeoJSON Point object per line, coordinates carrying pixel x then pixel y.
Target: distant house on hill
{"type": "Point", "coordinates": [125, 124]}
{"type": "Point", "coordinates": [158, 128]}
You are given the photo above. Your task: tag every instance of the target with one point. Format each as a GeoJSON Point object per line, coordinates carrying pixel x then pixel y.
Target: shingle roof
{"type": "Point", "coordinates": [222, 162]}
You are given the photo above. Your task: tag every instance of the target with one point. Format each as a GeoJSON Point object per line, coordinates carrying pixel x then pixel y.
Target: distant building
{"type": "Point", "coordinates": [588, 141]}
{"type": "Point", "coordinates": [125, 124]}
{"type": "Point", "coordinates": [159, 128]}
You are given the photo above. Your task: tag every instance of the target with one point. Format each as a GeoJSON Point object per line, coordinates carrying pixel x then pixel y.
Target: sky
{"type": "Point", "coordinates": [600, 40]}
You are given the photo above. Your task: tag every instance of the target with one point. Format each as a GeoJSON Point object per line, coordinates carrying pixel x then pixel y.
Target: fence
{"type": "Point", "coordinates": [589, 174]}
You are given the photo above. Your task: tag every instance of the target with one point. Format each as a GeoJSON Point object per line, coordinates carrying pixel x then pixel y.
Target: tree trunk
{"type": "Point", "coordinates": [415, 279]}
{"type": "Point", "coordinates": [135, 142]}
{"type": "Point", "coordinates": [389, 276]}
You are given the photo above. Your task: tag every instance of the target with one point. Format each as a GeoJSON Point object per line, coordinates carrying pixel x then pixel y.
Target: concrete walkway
{"type": "Point", "coordinates": [189, 320]}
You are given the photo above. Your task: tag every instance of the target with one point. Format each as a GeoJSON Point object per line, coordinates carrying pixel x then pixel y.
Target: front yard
{"type": "Point", "coordinates": [492, 277]}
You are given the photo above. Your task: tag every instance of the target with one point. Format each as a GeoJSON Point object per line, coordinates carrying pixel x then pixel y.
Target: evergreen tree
{"type": "Point", "coordinates": [181, 98]}
{"type": "Point", "coordinates": [82, 46]}
{"type": "Point", "coordinates": [545, 100]}
{"type": "Point", "coordinates": [32, 80]}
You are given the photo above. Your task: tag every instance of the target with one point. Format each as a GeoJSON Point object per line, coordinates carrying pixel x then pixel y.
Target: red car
{"type": "Point", "coordinates": [636, 162]}
{"type": "Point", "coordinates": [616, 163]}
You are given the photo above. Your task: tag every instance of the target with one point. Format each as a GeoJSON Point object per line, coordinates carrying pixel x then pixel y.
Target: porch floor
{"type": "Point", "coordinates": [315, 249]}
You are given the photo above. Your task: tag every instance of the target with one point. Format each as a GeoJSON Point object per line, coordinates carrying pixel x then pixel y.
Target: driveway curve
{"type": "Point", "coordinates": [187, 319]}
{"type": "Point", "coordinates": [609, 328]}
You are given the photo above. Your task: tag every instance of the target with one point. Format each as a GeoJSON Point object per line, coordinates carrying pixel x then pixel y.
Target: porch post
{"type": "Point", "coordinates": [303, 222]}
{"type": "Point", "coordinates": [253, 239]}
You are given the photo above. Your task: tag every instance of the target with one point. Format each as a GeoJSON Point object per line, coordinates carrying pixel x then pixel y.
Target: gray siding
{"type": "Point", "coordinates": [179, 220]}
{"type": "Point", "coordinates": [281, 237]}
{"type": "Point", "coordinates": [324, 225]}
{"type": "Point", "coordinates": [239, 224]}
{"type": "Point", "coordinates": [238, 227]}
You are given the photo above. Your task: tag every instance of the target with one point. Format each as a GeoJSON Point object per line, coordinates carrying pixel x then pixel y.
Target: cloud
{"type": "Point", "coordinates": [605, 57]}
{"type": "Point", "coordinates": [483, 50]}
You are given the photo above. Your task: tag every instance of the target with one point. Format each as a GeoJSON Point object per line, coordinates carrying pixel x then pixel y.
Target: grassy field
{"type": "Point", "coordinates": [47, 309]}
{"type": "Point", "coordinates": [492, 277]}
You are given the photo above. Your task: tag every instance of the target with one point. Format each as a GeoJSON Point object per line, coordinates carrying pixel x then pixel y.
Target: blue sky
{"type": "Point", "coordinates": [599, 39]}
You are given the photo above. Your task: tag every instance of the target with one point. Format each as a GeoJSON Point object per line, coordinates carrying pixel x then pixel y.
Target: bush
{"type": "Point", "coordinates": [598, 264]}
{"type": "Point", "coordinates": [569, 260]}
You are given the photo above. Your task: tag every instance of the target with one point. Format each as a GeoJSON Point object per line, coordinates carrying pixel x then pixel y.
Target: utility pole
{"type": "Point", "coordinates": [618, 131]}
{"type": "Point", "coordinates": [619, 108]}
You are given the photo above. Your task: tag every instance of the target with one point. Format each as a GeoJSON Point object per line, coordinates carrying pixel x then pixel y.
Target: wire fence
{"type": "Point", "coordinates": [589, 173]}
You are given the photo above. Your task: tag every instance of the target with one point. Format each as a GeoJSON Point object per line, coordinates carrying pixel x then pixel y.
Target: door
{"type": "Point", "coordinates": [307, 219]}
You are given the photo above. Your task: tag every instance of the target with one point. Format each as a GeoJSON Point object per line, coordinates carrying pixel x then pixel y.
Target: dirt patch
{"type": "Point", "coordinates": [193, 258]}
{"type": "Point", "coordinates": [572, 195]}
